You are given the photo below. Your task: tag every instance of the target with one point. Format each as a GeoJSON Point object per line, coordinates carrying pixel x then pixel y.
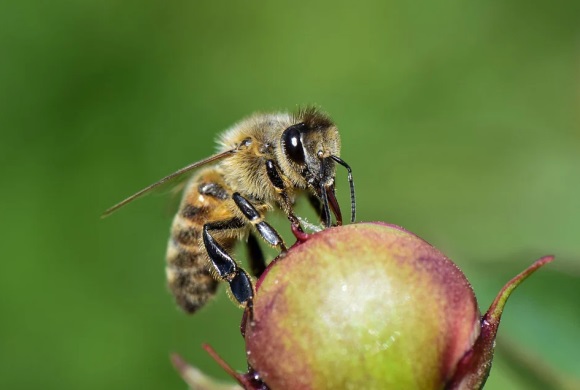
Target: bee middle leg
{"type": "Point", "coordinates": [268, 233]}
{"type": "Point", "coordinates": [256, 258]}
{"type": "Point", "coordinates": [225, 266]}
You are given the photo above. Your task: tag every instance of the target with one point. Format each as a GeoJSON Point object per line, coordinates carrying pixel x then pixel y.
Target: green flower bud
{"type": "Point", "coordinates": [368, 306]}
{"type": "Point", "coordinates": [364, 306]}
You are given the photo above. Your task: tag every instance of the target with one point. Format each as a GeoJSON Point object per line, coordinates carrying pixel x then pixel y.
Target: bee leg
{"type": "Point", "coordinates": [255, 256]}
{"type": "Point", "coordinates": [243, 290]}
{"type": "Point", "coordinates": [286, 204]}
{"type": "Point", "coordinates": [317, 206]}
{"type": "Point", "coordinates": [267, 232]}
{"type": "Point", "coordinates": [225, 266]}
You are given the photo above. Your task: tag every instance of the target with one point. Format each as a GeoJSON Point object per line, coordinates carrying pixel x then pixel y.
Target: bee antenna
{"type": "Point", "coordinates": [351, 183]}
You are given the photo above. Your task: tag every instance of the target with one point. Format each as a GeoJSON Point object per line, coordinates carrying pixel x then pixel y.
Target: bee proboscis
{"type": "Point", "coordinates": [263, 162]}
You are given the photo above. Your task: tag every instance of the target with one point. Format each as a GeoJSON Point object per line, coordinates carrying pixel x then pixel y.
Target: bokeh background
{"type": "Point", "coordinates": [460, 120]}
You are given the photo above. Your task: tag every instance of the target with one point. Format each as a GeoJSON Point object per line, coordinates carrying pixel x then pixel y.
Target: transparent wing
{"type": "Point", "coordinates": [168, 179]}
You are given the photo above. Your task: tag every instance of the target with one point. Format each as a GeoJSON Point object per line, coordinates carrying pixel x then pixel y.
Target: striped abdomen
{"type": "Point", "coordinates": [188, 269]}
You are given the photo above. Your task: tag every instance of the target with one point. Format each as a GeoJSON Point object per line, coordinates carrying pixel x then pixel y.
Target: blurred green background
{"type": "Point", "coordinates": [460, 120]}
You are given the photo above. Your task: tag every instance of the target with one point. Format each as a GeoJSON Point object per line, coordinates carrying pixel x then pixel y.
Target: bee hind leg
{"type": "Point", "coordinates": [242, 289]}
{"type": "Point", "coordinates": [225, 266]}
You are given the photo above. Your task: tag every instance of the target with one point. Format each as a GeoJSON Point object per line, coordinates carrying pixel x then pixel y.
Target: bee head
{"type": "Point", "coordinates": [310, 148]}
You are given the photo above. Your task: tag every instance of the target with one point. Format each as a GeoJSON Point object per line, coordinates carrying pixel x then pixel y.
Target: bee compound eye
{"type": "Point", "coordinates": [293, 144]}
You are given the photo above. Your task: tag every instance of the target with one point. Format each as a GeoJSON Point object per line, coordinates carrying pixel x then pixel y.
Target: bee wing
{"type": "Point", "coordinates": [168, 179]}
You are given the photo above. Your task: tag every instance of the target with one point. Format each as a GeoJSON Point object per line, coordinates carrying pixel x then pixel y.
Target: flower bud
{"type": "Point", "coordinates": [366, 306]}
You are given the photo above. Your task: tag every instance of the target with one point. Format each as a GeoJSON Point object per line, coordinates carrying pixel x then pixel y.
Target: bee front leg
{"type": "Point", "coordinates": [285, 204]}
{"type": "Point", "coordinates": [225, 266]}
{"type": "Point", "coordinates": [317, 206]}
{"type": "Point", "coordinates": [268, 233]}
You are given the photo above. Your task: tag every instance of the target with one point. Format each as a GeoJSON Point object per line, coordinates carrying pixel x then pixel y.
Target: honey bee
{"type": "Point", "coordinates": [263, 162]}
